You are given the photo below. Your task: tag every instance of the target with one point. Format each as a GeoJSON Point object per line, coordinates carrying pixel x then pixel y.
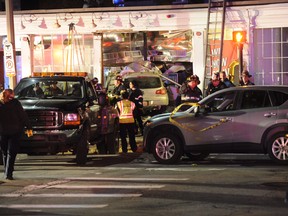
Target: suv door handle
{"type": "Point", "coordinates": [268, 115]}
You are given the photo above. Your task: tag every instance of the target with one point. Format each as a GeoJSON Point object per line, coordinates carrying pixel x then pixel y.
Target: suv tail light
{"type": "Point", "coordinates": [161, 91]}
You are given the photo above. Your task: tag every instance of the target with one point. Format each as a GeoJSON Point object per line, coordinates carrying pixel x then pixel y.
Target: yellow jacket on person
{"type": "Point", "coordinates": [126, 108]}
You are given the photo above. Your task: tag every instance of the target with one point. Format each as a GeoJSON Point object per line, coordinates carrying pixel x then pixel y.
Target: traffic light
{"type": "Point", "coordinates": [239, 36]}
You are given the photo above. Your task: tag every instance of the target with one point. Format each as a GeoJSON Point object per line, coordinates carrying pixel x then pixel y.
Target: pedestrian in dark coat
{"type": "Point", "coordinates": [13, 119]}
{"type": "Point", "coordinates": [136, 96]}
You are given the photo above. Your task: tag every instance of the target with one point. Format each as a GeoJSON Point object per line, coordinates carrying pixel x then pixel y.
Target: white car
{"type": "Point", "coordinates": [155, 96]}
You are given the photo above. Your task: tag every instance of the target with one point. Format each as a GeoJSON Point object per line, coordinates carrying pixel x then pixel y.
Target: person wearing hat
{"type": "Point", "coordinates": [118, 89]}
{"type": "Point", "coordinates": [245, 79]}
{"type": "Point", "coordinates": [215, 84]}
{"type": "Point", "coordinates": [98, 87]}
{"type": "Point", "coordinates": [189, 91]}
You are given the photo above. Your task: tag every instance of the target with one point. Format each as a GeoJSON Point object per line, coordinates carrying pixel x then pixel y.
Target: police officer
{"type": "Point", "coordinates": [126, 122]}
{"type": "Point", "coordinates": [189, 91]}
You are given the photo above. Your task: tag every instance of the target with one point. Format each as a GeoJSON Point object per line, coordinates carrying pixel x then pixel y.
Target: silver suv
{"type": "Point", "coordinates": [235, 120]}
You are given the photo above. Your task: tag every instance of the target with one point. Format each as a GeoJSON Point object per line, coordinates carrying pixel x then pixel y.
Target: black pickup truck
{"type": "Point", "coordinates": [67, 115]}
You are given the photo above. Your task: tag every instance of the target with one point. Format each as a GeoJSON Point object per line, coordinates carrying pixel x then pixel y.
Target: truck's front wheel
{"type": "Point", "coordinates": [82, 148]}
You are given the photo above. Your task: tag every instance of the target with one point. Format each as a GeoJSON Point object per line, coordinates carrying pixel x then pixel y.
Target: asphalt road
{"type": "Point", "coordinates": [135, 184]}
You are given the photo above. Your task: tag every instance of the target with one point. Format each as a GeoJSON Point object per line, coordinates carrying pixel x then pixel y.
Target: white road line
{"type": "Point", "coordinates": [72, 195]}
{"type": "Point", "coordinates": [124, 179]}
{"type": "Point", "coordinates": [22, 206]}
{"type": "Point", "coordinates": [106, 186]}
{"type": "Point", "coordinates": [185, 169]}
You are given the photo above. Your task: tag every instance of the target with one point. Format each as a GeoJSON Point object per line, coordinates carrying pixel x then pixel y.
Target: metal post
{"type": "Point", "coordinates": [240, 49]}
{"type": "Point", "coordinates": [11, 37]}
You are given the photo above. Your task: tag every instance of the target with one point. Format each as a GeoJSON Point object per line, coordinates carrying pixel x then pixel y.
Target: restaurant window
{"type": "Point", "coordinates": [54, 53]}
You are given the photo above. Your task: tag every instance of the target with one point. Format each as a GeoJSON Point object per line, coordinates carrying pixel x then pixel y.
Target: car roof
{"type": "Point", "coordinates": [139, 74]}
{"type": "Point", "coordinates": [283, 88]}
{"type": "Point", "coordinates": [68, 78]}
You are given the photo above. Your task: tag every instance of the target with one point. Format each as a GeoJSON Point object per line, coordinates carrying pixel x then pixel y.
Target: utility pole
{"type": "Point", "coordinates": [11, 38]}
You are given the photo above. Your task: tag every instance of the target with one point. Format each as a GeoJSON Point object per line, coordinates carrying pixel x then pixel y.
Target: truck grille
{"type": "Point", "coordinates": [45, 119]}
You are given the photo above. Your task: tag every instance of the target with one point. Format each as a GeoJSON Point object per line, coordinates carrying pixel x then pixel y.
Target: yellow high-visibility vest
{"type": "Point", "coordinates": [126, 108]}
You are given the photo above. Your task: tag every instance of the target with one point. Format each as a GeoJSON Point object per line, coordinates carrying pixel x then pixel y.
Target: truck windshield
{"type": "Point", "coordinates": [49, 89]}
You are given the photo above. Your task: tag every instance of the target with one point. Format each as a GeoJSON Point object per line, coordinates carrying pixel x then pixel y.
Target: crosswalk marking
{"type": "Point", "coordinates": [107, 186]}
{"type": "Point", "coordinates": [124, 179]}
{"type": "Point", "coordinates": [71, 195]}
{"type": "Point", "coordinates": [65, 183]}
{"type": "Point", "coordinates": [27, 206]}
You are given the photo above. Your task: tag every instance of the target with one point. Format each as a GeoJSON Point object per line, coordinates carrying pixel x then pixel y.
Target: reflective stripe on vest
{"type": "Point", "coordinates": [126, 108]}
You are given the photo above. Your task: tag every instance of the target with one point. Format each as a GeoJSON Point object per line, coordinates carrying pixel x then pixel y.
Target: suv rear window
{"type": "Point", "coordinates": [278, 98]}
{"type": "Point", "coordinates": [145, 82]}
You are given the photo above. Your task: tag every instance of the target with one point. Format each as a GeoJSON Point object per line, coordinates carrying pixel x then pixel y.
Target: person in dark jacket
{"type": "Point", "coordinates": [189, 91]}
{"type": "Point", "coordinates": [118, 90]}
{"type": "Point", "coordinates": [225, 80]}
{"type": "Point", "coordinates": [215, 84]}
{"type": "Point", "coordinates": [245, 79]}
{"type": "Point", "coordinates": [136, 96]}
{"type": "Point", "coordinates": [13, 119]}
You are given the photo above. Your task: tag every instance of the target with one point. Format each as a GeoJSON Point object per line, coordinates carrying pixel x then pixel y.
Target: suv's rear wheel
{"type": "Point", "coordinates": [82, 148]}
{"type": "Point", "coordinates": [167, 148]}
{"type": "Point", "coordinates": [278, 148]}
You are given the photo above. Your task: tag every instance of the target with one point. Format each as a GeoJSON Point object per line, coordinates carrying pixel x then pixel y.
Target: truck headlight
{"type": "Point", "coordinates": [71, 119]}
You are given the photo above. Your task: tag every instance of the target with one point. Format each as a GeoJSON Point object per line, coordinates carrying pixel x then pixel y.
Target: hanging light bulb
{"type": "Point", "coordinates": [56, 24]}
{"type": "Point", "coordinates": [93, 24]}
{"type": "Point", "coordinates": [22, 25]}
{"type": "Point", "coordinates": [131, 24]}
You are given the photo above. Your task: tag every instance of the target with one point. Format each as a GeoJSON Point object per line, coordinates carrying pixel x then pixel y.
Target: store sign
{"type": "Point", "coordinates": [9, 59]}
{"type": "Point", "coordinates": [228, 56]}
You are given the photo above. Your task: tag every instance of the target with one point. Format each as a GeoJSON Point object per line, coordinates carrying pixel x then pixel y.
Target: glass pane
{"type": "Point", "coordinates": [285, 34]}
{"type": "Point", "coordinates": [276, 65]}
{"type": "Point", "coordinates": [285, 49]}
{"type": "Point", "coordinates": [277, 35]}
{"type": "Point", "coordinates": [267, 36]}
{"type": "Point", "coordinates": [267, 50]}
{"type": "Point", "coordinates": [276, 52]}
{"type": "Point", "coordinates": [258, 36]}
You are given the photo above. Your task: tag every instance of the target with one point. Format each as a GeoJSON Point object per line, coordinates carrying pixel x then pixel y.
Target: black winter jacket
{"type": "Point", "coordinates": [13, 118]}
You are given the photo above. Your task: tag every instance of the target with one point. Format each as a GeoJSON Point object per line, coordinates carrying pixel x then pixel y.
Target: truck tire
{"type": "Point", "coordinates": [82, 148]}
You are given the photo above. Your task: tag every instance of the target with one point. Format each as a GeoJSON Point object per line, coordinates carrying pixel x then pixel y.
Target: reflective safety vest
{"type": "Point", "coordinates": [126, 108]}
